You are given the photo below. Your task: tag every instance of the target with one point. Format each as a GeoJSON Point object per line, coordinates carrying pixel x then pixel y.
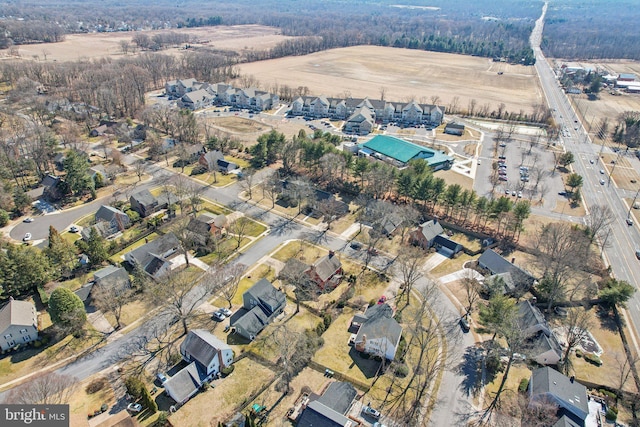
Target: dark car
{"type": "Point", "coordinates": [464, 324]}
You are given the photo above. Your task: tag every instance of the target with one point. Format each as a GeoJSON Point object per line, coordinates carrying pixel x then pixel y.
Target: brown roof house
{"type": "Point", "coordinates": [18, 324]}
{"type": "Point", "coordinates": [326, 272]}
{"type": "Point", "coordinates": [378, 333]}
{"type": "Point", "coordinates": [206, 225]}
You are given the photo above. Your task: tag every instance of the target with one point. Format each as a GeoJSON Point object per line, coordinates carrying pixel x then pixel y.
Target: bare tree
{"type": "Point", "coordinates": [576, 326]}
{"type": "Point", "coordinates": [598, 221]}
{"type": "Point", "coordinates": [140, 167]}
{"type": "Point", "coordinates": [409, 268]}
{"type": "Point", "coordinates": [271, 188]}
{"type": "Point", "coordinates": [625, 364]}
{"type": "Point", "coordinates": [111, 301]}
{"type": "Point", "coordinates": [45, 389]}
{"type": "Point", "coordinates": [294, 275]}
{"type": "Point", "coordinates": [125, 46]}
{"type": "Point", "coordinates": [238, 229]}
{"type": "Point", "coordinates": [231, 275]}
{"type": "Point", "coordinates": [247, 181]}
{"type": "Point", "coordinates": [472, 288]}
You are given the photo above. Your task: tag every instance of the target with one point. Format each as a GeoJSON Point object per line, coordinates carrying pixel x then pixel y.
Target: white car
{"type": "Point", "coordinates": [26, 237]}
{"type": "Point", "coordinates": [601, 181]}
{"type": "Point", "coordinates": [219, 316]}
{"type": "Point", "coordinates": [226, 312]}
{"type": "Point", "coordinates": [134, 407]}
{"type": "Point", "coordinates": [74, 229]}
{"type": "Point", "coordinates": [28, 219]}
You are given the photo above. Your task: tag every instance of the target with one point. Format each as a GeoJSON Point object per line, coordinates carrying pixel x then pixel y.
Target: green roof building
{"type": "Point", "coordinates": [399, 152]}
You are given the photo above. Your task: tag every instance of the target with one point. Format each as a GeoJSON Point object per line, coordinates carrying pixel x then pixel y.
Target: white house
{"type": "Point", "coordinates": [210, 353]}
{"type": "Point", "coordinates": [378, 332]}
{"type": "Point", "coordinates": [18, 324]}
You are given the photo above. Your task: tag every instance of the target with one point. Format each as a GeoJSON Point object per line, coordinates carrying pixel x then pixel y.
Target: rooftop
{"type": "Point", "coordinates": [402, 150]}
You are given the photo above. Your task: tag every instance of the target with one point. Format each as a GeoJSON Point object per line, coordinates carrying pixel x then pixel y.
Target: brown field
{"type": "Point", "coordinates": [99, 45]}
{"type": "Point", "coordinates": [363, 70]}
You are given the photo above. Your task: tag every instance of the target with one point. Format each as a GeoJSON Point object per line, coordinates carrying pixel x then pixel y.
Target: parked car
{"type": "Point", "coordinates": [219, 316]}
{"type": "Point", "coordinates": [161, 377]}
{"type": "Point", "coordinates": [602, 171]}
{"type": "Point", "coordinates": [74, 229]}
{"type": "Point", "coordinates": [226, 312]}
{"type": "Point", "coordinates": [629, 221]}
{"type": "Point", "coordinates": [561, 311]}
{"type": "Point", "coordinates": [502, 178]}
{"type": "Point", "coordinates": [26, 237]}
{"type": "Point", "coordinates": [464, 324]}
{"type": "Point", "coordinates": [519, 194]}
{"type": "Point", "coordinates": [368, 410]}
{"type": "Point", "coordinates": [638, 253]}
{"type": "Point", "coordinates": [134, 407]}
{"type": "Point", "coordinates": [28, 219]}
{"type": "Point", "coordinates": [601, 181]}
{"type": "Point", "coordinates": [562, 193]}
{"type": "Point", "coordinates": [356, 245]}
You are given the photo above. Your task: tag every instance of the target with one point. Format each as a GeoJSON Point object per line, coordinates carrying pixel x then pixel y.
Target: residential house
{"type": "Point", "coordinates": [548, 385]}
{"type": "Point", "coordinates": [378, 333]}
{"type": "Point", "coordinates": [98, 170]}
{"type": "Point", "coordinates": [513, 278]}
{"type": "Point", "coordinates": [103, 229]}
{"type": "Point", "coordinates": [454, 128]}
{"type": "Point", "coordinates": [326, 272]}
{"type": "Point", "coordinates": [99, 131]}
{"type": "Point", "coordinates": [331, 408]}
{"type": "Point", "coordinates": [425, 235]}
{"type": "Point", "coordinates": [210, 354]}
{"type": "Point", "coordinates": [184, 384]}
{"type": "Point", "coordinates": [361, 122]}
{"type": "Point", "coordinates": [210, 159]}
{"type": "Point", "coordinates": [18, 324]}
{"type": "Point", "coordinates": [54, 188]}
{"type": "Point", "coordinates": [260, 305]}
{"type": "Point", "coordinates": [544, 347]}
{"type": "Point", "coordinates": [154, 258]}
{"type": "Point", "coordinates": [58, 161]}
{"type": "Point", "coordinates": [113, 279]}
{"type": "Point", "coordinates": [205, 226]}
{"type": "Point", "coordinates": [323, 201]}
{"type": "Point", "coordinates": [446, 246]}
{"type": "Point", "coordinates": [226, 166]}
{"type": "Point", "coordinates": [195, 100]}
{"type": "Point", "coordinates": [115, 219]}
{"type": "Point", "coordinates": [146, 203]}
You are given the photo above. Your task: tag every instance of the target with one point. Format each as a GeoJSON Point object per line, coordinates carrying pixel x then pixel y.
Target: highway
{"type": "Point", "coordinates": [623, 239]}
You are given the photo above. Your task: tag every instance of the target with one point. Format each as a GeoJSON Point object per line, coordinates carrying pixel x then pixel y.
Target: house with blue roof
{"type": "Point", "coordinates": [399, 152]}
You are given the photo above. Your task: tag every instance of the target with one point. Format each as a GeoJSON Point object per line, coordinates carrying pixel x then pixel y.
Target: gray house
{"type": "Point", "coordinates": [331, 408]}
{"type": "Point", "coordinates": [146, 203]}
{"type": "Point", "coordinates": [18, 324]}
{"type": "Point", "coordinates": [209, 353]}
{"type": "Point", "coordinates": [113, 279]}
{"type": "Point", "coordinates": [425, 235]}
{"type": "Point", "coordinates": [185, 383]}
{"type": "Point", "coordinates": [378, 333]}
{"type": "Point", "coordinates": [547, 384]}
{"type": "Point", "coordinates": [514, 278]}
{"type": "Point", "coordinates": [154, 258]}
{"type": "Point", "coordinates": [115, 219]}
{"type": "Point", "coordinates": [544, 346]}
{"type": "Point", "coordinates": [260, 305]}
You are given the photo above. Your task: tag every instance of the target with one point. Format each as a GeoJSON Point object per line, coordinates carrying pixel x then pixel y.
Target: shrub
{"type": "Point", "coordinates": [227, 371]}
{"type": "Point", "coordinates": [4, 218]}
{"type": "Point", "coordinates": [162, 419]}
{"type": "Point", "coordinates": [593, 359]}
{"type": "Point", "coordinates": [327, 320]}
{"type": "Point", "coordinates": [401, 371]}
{"type": "Point", "coordinates": [612, 414]}
{"type": "Point", "coordinates": [96, 385]}
{"type": "Point", "coordinates": [579, 353]}
{"type": "Point", "coordinates": [134, 387]}
{"type": "Point", "coordinates": [524, 385]}
{"type": "Point", "coordinates": [372, 302]}
{"type": "Point", "coordinates": [607, 393]}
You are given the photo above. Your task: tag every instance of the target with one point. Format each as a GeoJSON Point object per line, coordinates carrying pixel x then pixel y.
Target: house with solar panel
{"type": "Point", "coordinates": [399, 152]}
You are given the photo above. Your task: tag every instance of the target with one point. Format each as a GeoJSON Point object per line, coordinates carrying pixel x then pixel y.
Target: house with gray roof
{"type": "Point", "coordinates": [331, 408]}
{"type": "Point", "coordinates": [115, 279]}
{"type": "Point", "coordinates": [326, 272]}
{"type": "Point", "coordinates": [195, 100]}
{"type": "Point", "coordinates": [425, 235]}
{"type": "Point", "coordinates": [361, 122]}
{"type": "Point", "coordinates": [454, 128]}
{"type": "Point", "coordinates": [184, 384]}
{"type": "Point", "coordinates": [547, 384]}
{"type": "Point", "coordinates": [209, 353]}
{"type": "Point", "coordinates": [260, 305]}
{"type": "Point", "coordinates": [446, 246]}
{"type": "Point", "coordinates": [378, 332]}
{"type": "Point", "coordinates": [18, 324]}
{"type": "Point", "coordinates": [514, 278]}
{"type": "Point", "coordinates": [115, 220]}
{"type": "Point", "coordinates": [544, 347]}
{"type": "Point", "coordinates": [146, 203]}
{"type": "Point", "coordinates": [102, 228]}
{"type": "Point", "coordinates": [154, 258]}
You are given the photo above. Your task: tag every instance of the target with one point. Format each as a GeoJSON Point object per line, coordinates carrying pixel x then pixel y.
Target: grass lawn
{"type": "Point", "coordinates": [517, 372]}
{"type": "Point", "coordinates": [117, 258]}
{"type": "Point", "coordinates": [214, 208]}
{"type": "Point", "coordinates": [86, 220]}
{"type": "Point", "coordinates": [214, 405]}
{"type": "Point", "coordinates": [343, 223]}
{"type": "Point", "coordinates": [71, 237]}
{"type": "Point", "coordinates": [83, 403]}
{"type": "Point", "coordinates": [302, 250]}
{"type": "Point", "coordinates": [131, 178]}
{"type": "Point", "coordinates": [131, 312]}
{"type": "Point", "coordinates": [450, 265]}
{"type": "Point", "coordinates": [469, 242]}
{"type": "Point", "coordinates": [369, 286]}
{"type": "Point", "coordinates": [254, 228]}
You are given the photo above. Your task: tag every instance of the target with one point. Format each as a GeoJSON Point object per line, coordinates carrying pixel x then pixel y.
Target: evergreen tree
{"type": "Point", "coordinates": [67, 310]}
{"type": "Point", "coordinates": [77, 169]}
{"type": "Point", "coordinates": [96, 248]}
{"type": "Point", "coordinates": [62, 254]}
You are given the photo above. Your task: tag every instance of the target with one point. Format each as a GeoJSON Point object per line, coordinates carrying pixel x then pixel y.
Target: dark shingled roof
{"type": "Point", "coordinates": [113, 278]}
{"type": "Point", "coordinates": [144, 197]}
{"type": "Point", "coordinates": [326, 266]}
{"type": "Point", "coordinates": [431, 229]}
{"type": "Point", "coordinates": [106, 213]}
{"type": "Point", "coordinates": [338, 396]}
{"type": "Point", "coordinates": [184, 384]}
{"type": "Point", "coordinates": [318, 415]}
{"type": "Point", "coordinates": [380, 323]}
{"type": "Point", "coordinates": [548, 380]}
{"type": "Point", "coordinates": [155, 248]}
{"type": "Point", "coordinates": [264, 291]}
{"type": "Point", "coordinates": [203, 346]}
{"type": "Point", "coordinates": [497, 264]}
{"type": "Point", "coordinates": [252, 321]}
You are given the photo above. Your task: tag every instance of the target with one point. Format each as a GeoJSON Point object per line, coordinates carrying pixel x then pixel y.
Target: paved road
{"type": "Point", "coordinates": [623, 239]}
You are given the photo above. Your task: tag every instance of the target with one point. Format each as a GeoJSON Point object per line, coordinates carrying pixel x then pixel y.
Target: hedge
{"type": "Point", "coordinates": [524, 385]}
{"type": "Point", "coordinates": [593, 359]}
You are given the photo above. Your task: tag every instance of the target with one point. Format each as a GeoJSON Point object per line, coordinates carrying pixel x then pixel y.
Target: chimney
{"type": "Point", "coordinates": [513, 260]}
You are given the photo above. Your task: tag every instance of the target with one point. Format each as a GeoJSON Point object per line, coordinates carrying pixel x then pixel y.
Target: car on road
{"type": "Point", "coordinates": [464, 324]}
{"type": "Point", "coordinates": [602, 171]}
{"type": "Point", "coordinates": [507, 191]}
{"type": "Point", "coordinates": [519, 194]}
{"type": "Point", "coordinates": [373, 413]}
{"type": "Point", "coordinates": [26, 237]}
{"type": "Point", "coordinates": [562, 193]}
{"type": "Point", "coordinates": [134, 407]}
{"type": "Point", "coordinates": [591, 161]}
{"type": "Point", "coordinates": [28, 219]}
{"type": "Point", "coordinates": [382, 299]}
{"type": "Point", "coordinates": [638, 253]}
{"type": "Point", "coordinates": [74, 229]}
{"type": "Point", "coordinates": [226, 312]}
{"type": "Point", "coordinates": [356, 246]}
{"type": "Point", "coordinates": [513, 193]}
{"type": "Point", "coordinates": [629, 221]}
{"type": "Point", "coordinates": [502, 178]}
{"type": "Point", "coordinates": [161, 377]}
{"type": "Point", "coordinates": [219, 316]}
{"type": "Point", "coordinates": [601, 181]}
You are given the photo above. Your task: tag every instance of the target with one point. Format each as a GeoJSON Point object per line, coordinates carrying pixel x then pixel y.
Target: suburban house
{"type": "Point", "coordinates": [399, 152]}
{"type": "Point", "coordinates": [214, 160]}
{"type": "Point", "coordinates": [53, 188]}
{"type": "Point", "coordinates": [548, 385]}
{"type": "Point", "coordinates": [146, 203]}
{"type": "Point", "coordinates": [323, 201]}
{"type": "Point", "coordinates": [326, 272]}
{"type": "Point", "coordinates": [112, 279]}
{"type": "Point", "coordinates": [425, 235]}
{"type": "Point", "coordinates": [18, 324]}
{"type": "Point", "coordinates": [102, 228]}
{"type": "Point", "coordinates": [544, 346]}
{"type": "Point", "coordinates": [205, 225]}
{"type": "Point", "coordinates": [184, 384]}
{"type": "Point", "coordinates": [98, 170]}
{"type": "Point", "coordinates": [360, 113]}
{"type": "Point", "coordinates": [195, 100]}
{"type": "Point", "coordinates": [209, 353]}
{"type": "Point", "coordinates": [514, 278]}
{"type": "Point", "coordinates": [154, 258]}
{"type": "Point", "coordinates": [260, 305]}
{"type": "Point", "coordinates": [99, 131]}
{"type": "Point", "coordinates": [447, 247]}
{"type": "Point", "coordinates": [114, 219]}
{"type": "Point", "coordinates": [454, 128]}
{"type": "Point", "coordinates": [329, 409]}
{"type": "Point", "coordinates": [378, 333]}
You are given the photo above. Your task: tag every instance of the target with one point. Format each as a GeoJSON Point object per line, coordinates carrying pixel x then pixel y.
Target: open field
{"type": "Point", "coordinates": [100, 45]}
{"type": "Point", "coordinates": [361, 71]}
